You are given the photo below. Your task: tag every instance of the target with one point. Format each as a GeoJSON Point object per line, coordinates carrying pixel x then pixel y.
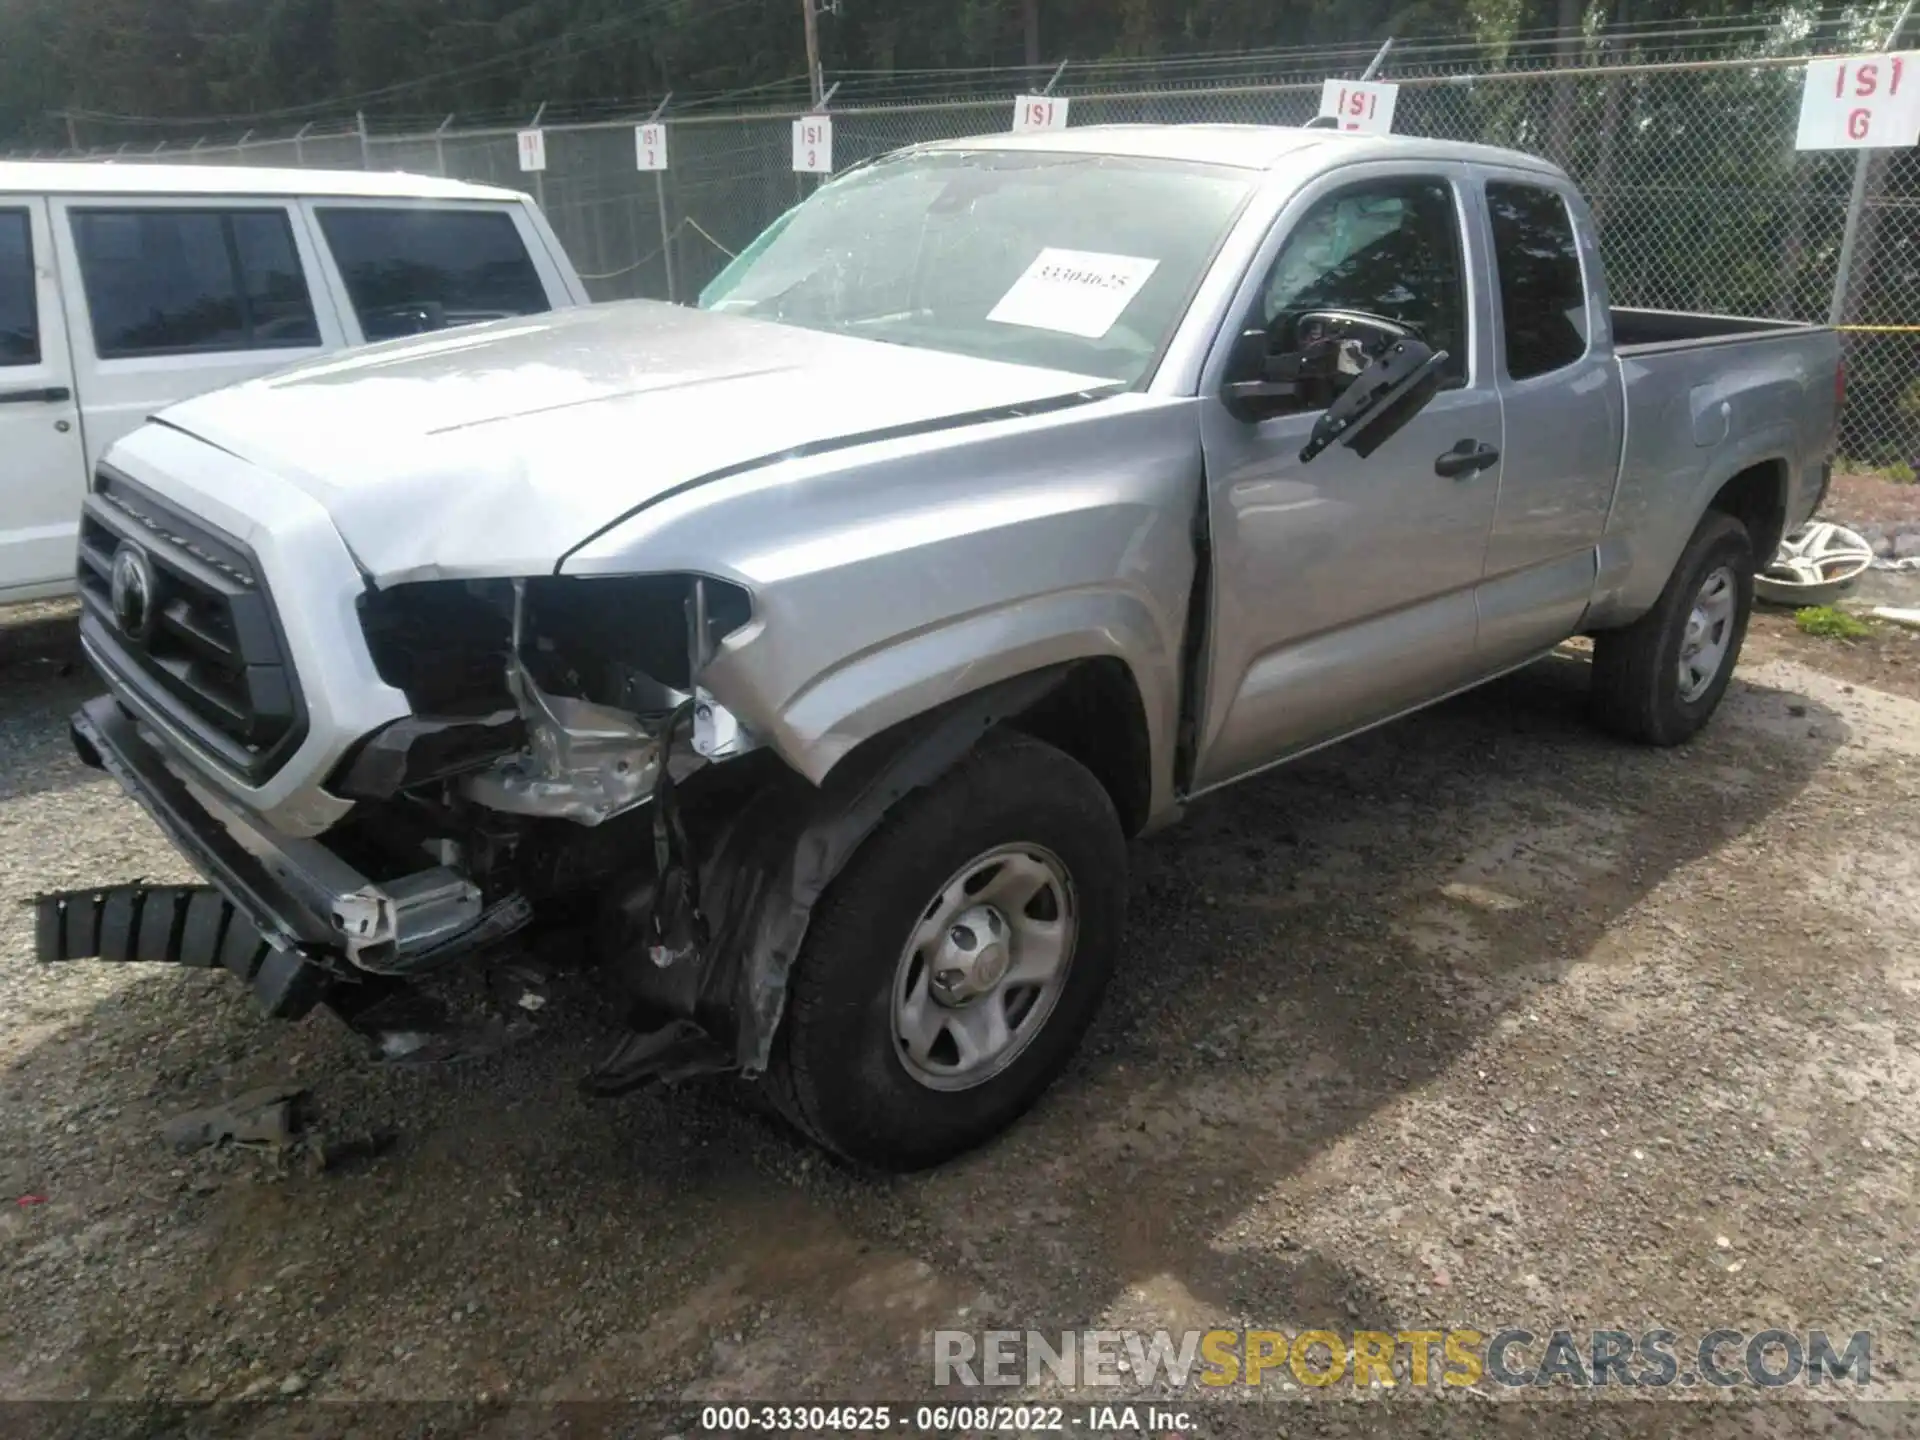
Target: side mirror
{"type": "Point", "coordinates": [1303, 360]}
{"type": "Point", "coordinates": [1393, 389]}
{"type": "Point", "coordinates": [1259, 382]}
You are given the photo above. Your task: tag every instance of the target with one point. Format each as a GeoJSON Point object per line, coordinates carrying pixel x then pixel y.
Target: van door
{"type": "Point", "coordinates": [174, 296]}
{"type": "Point", "coordinates": [44, 474]}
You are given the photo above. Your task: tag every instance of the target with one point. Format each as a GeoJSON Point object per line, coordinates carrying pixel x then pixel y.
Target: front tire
{"type": "Point", "coordinates": [951, 969]}
{"type": "Point", "coordinates": [1660, 679]}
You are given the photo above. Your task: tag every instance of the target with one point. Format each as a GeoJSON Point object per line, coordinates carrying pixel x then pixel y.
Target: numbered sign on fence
{"type": "Point", "coordinates": [813, 145]}
{"type": "Point", "coordinates": [1860, 102]}
{"type": "Point", "coordinates": [533, 149]}
{"type": "Point", "coordinates": [650, 146]}
{"type": "Point", "coordinates": [1363, 105]}
{"type": "Point", "coordinates": [1039, 112]}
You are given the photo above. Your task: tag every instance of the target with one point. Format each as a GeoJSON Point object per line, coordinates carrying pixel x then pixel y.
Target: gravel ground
{"type": "Point", "coordinates": [1873, 499]}
{"type": "Point", "coordinates": [1885, 513]}
{"type": "Point", "coordinates": [1480, 1019]}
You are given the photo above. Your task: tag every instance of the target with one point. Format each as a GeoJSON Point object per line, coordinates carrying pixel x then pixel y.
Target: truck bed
{"type": "Point", "coordinates": [1707, 397]}
{"type": "Point", "coordinates": [1646, 331]}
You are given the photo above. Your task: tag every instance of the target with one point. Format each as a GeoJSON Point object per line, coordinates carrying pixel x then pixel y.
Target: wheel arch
{"type": "Point", "coordinates": [1111, 708]}
{"type": "Point", "coordinates": [1752, 483]}
{"type": "Point", "coordinates": [1756, 496]}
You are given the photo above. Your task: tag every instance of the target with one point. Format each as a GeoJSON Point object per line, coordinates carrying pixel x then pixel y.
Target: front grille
{"type": "Point", "coordinates": [210, 659]}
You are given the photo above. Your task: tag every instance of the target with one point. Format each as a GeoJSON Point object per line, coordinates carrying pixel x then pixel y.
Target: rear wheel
{"type": "Point", "coordinates": [1660, 679]}
{"type": "Point", "coordinates": [952, 967]}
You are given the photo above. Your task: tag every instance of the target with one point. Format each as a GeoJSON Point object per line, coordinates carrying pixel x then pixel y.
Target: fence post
{"type": "Point", "coordinates": [1863, 165]}
{"type": "Point", "coordinates": [1849, 239]}
{"type": "Point", "coordinates": [660, 202]}
{"type": "Point", "coordinates": [540, 176]}
{"type": "Point", "coordinates": [360, 120]}
{"type": "Point", "coordinates": [299, 145]}
{"type": "Point", "coordinates": [440, 146]}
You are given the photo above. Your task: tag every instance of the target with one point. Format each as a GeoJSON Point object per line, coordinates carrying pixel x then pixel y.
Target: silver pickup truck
{"type": "Point", "coordinates": [804, 661]}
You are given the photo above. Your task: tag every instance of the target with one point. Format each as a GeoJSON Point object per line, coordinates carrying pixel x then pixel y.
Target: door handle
{"type": "Point", "coordinates": [52, 395]}
{"type": "Point", "coordinates": [1469, 457]}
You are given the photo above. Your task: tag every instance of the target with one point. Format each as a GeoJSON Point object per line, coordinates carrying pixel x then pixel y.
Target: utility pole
{"type": "Point", "coordinates": [813, 50]}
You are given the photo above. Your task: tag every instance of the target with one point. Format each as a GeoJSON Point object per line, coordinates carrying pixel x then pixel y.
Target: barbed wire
{"type": "Point", "coordinates": [1789, 32]}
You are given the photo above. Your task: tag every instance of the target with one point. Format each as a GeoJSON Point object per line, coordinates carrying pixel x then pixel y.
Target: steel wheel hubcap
{"type": "Point", "coordinates": [1708, 633]}
{"type": "Point", "coordinates": [984, 968]}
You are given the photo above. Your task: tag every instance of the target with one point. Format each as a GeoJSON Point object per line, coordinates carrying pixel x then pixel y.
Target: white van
{"type": "Point", "coordinates": [124, 288]}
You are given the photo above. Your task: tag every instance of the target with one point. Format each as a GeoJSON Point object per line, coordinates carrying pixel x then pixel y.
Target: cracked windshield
{"type": "Point", "coordinates": [1074, 262]}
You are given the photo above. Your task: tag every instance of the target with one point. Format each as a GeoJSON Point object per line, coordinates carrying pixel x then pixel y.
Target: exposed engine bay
{"type": "Point", "coordinates": [558, 725]}
{"type": "Point", "coordinates": [565, 790]}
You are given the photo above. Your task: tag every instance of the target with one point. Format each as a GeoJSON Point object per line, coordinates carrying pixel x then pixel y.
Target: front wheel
{"type": "Point", "coordinates": [1661, 678]}
{"type": "Point", "coordinates": [952, 967]}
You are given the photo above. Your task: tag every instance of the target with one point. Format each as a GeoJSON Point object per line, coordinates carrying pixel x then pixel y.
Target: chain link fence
{"type": "Point", "coordinates": [1701, 199]}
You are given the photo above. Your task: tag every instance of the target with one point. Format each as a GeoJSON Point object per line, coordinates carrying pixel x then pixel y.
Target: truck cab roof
{"type": "Point", "coordinates": [1246, 147]}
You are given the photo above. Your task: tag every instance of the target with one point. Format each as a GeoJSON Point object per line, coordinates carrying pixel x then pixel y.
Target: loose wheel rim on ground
{"type": "Point", "coordinates": [984, 968]}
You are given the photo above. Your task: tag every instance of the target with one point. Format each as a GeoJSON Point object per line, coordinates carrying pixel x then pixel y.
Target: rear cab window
{"type": "Point", "coordinates": [411, 270]}
{"type": "Point", "coordinates": [19, 309]}
{"type": "Point", "coordinates": [192, 280]}
{"type": "Point", "coordinates": [1543, 296]}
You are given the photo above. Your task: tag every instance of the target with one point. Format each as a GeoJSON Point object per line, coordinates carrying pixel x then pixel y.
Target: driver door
{"type": "Point", "coordinates": [1344, 587]}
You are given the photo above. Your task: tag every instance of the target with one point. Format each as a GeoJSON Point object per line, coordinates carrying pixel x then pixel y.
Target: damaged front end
{"type": "Point", "coordinates": [592, 690]}
{"type": "Point", "coordinates": [546, 716]}
{"type": "Point", "coordinates": [564, 788]}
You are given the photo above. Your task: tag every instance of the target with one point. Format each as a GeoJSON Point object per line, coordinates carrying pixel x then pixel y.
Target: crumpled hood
{"type": "Point", "coordinates": [494, 450]}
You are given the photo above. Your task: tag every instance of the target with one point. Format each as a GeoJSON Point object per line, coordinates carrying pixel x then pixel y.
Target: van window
{"type": "Point", "coordinates": [408, 271]}
{"type": "Point", "coordinates": [19, 312]}
{"type": "Point", "coordinates": [180, 282]}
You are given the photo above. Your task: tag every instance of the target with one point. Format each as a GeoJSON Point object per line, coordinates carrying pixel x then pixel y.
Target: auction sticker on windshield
{"type": "Point", "coordinates": [1077, 292]}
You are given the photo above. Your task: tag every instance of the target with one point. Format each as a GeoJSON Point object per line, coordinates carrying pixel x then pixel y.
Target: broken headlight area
{"type": "Point", "coordinates": [554, 720]}
{"type": "Point", "coordinates": [548, 698]}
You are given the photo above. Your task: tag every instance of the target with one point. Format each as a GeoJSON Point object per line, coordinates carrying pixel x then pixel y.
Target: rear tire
{"type": "Point", "coordinates": [1660, 679]}
{"type": "Point", "coordinates": [883, 1013]}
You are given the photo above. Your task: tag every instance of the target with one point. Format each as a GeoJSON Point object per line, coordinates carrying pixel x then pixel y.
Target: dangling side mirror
{"type": "Point", "coordinates": [1303, 360]}
{"type": "Point", "coordinates": [1393, 389]}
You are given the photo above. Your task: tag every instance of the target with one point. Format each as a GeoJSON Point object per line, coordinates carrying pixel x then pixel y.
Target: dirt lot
{"type": "Point", "coordinates": [1481, 1019]}
{"type": "Point", "coordinates": [1872, 500]}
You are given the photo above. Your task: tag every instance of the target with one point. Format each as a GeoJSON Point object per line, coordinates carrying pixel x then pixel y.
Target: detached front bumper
{"type": "Point", "coordinates": [303, 899]}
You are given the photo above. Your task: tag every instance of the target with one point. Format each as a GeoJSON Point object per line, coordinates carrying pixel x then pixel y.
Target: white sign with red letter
{"type": "Point", "coordinates": [650, 146]}
{"type": "Point", "coordinates": [533, 149]}
{"type": "Point", "coordinates": [1363, 105]}
{"type": "Point", "coordinates": [1860, 102]}
{"type": "Point", "coordinates": [1039, 112]}
{"type": "Point", "coordinates": [813, 145]}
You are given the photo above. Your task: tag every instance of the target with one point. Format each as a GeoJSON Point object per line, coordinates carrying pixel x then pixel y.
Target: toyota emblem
{"type": "Point", "coordinates": [132, 591]}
